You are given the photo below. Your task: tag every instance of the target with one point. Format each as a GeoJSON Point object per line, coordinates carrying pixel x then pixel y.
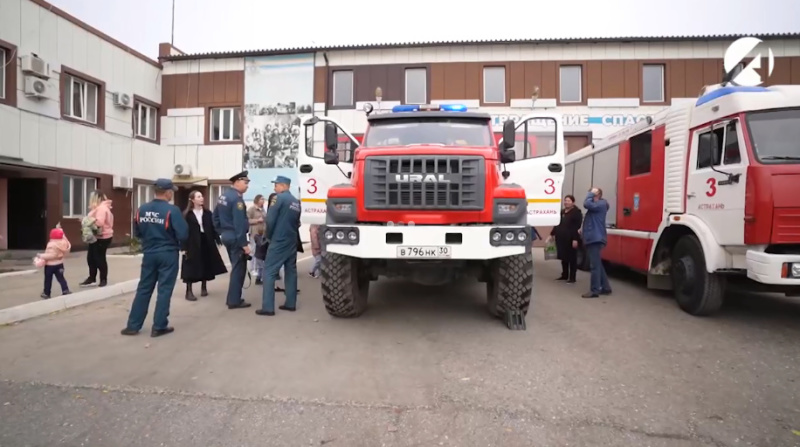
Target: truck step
{"type": "Point", "coordinates": [515, 320]}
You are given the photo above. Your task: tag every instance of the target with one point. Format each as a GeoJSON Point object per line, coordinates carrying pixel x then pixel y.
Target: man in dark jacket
{"type": "Point", "coordinates": [595, 239]}
{"type": "Point", "coordinates": [162, 229]}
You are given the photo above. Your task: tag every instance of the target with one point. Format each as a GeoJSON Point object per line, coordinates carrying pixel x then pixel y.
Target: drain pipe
{"type": "Point", "coordinates": [328, 79]}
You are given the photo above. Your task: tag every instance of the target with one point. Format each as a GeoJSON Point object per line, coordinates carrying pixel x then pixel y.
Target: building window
{"type": "Point", "coordinates": [226, 124]}
{"type": "Point", "coordinates": [8, 74]}
{"type": "Point", "coordinates": [343, 88]}
{"type": "Point", "coordinates": [720, 146]}
{"type": "Point", "coordinates": [75, 195]}
{"type": "Point", "coordinates": [3, 61]}
{"type": "Point", "coordinates": [640, 153]}
{"type": "Point", "coordinates": [80, 99]}
{"type": "Point", "coordinates": [494, 85]}
{"type": "Point", "coordinates": [144, 194]}
{"type": "Point", "coordinates": [653, 83]}
{"type": "Point", "coordinates": [145, 120]}
{"type": "Point", "coordinates": [214, 193]}
{"type": "Point", "coordinates": [416, 85]}
{"type": "Point", "coordinates": [570, 83]}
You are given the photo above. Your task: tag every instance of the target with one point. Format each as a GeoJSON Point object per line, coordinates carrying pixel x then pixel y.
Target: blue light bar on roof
{"type": "Point", "coordinates": [729, 90]}
{"type": "Point", "coordinates": [429, 107]}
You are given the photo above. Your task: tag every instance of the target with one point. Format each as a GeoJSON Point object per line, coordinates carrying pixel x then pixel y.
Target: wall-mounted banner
{"type": "Point", "coordinates": [579, 120]}
{"type": "Point", "coordinates": [278, 94]}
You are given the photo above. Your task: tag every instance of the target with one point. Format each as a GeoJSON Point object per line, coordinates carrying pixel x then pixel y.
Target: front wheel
{"type": "Point", "coordinates": [510, 284]}
{"type": "Point", "coordinates": [697, 291]}
{"type": "Point", "coordinates": [344, 290]}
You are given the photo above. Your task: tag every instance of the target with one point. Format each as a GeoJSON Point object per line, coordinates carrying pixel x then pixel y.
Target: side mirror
{"type": "Point", "coordinates": [509, 135]}
{"type": "Point", "coordinates": [714, 153]}
{"type": "Point", "coordinates": [331, 137]}
{"type": "Point", "coordinates": [331, 157]}
{"type": "Point", "coordinates": [507, 156]}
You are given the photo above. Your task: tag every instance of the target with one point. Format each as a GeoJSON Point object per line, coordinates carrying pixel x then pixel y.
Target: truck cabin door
{"type": "Point", "coordinates": [539, 166]}
{"type": "Point", "coordinates": [316, 175]}
{"type": "Point", "coordinates": [716, 185]}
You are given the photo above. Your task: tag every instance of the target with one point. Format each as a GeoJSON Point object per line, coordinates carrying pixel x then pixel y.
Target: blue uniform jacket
{"type": "Point", "coordinates": [160, 227]}
{"type": "Point", "coordinates": [230, 218]}
{"type": "Point", "coordinates": [283, 221]}
{"type": "Point", "coordinates": [594, 224]}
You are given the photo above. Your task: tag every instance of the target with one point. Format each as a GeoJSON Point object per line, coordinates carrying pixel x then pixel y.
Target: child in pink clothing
{"type": "Point", "coordinates": [53, 257]}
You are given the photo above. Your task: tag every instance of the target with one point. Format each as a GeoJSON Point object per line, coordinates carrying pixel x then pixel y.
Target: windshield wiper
{"type": "Point", "coordinates": [781, 157]}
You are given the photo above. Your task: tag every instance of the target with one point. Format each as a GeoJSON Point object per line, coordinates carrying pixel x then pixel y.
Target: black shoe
{"type": "Point", "coordinates": [242, 305]}
{"type": "Point", "coordinates": [87, 282]}
{"type": "Point", "coordinates": [570, 281]}
{"type": "Point", "coordinates": [561, 278]}
{"type": "Point", "coordinates": [190, 295]}
{"type": "Point", "coordinates": [102, 283]}
{"type": "Point", "coordinates": [159, 332]}
{"type": "Point", "coordinates": [263, 312]}
{"type": "Point", "coordinates": [605, 292]}
{"type": "Point", "coordinates": [290, 309]}
{"type": "Point", "coordinates": [590, 295]}
{"type": "Point", "coordinates": [128, 331]}
{"type": "Point", "coordinates": [66, 292]}
{"type": "Point", "coordinates": [44, 296]}
{"type": "Point", "coordinates": [279, 289]}
{"type": "Point", "coordinates": [203, 292]}
{"type": "Point", "coordinates": [259, 282]}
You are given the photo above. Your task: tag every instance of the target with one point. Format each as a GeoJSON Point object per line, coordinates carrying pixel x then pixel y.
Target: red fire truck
{"type": "Point", "coordinates": [430, 196]}
{"type": "Point", "coordinates": [704, 194]}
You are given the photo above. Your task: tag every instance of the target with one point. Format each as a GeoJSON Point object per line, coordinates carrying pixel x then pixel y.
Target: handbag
{"type": "Point", "coordinates": [550, 251]}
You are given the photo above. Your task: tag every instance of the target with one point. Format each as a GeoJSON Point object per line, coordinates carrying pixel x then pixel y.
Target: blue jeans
{"type": "Point", "coordinates": [157, 268]}
{"type": "Point", "coordinates": [317, 262]}
{"type": "Point", "coordinates": [599, 279]}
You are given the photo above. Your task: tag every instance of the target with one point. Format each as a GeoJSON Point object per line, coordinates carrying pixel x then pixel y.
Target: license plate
{"type": "Point", "coordinates": [424, 252]}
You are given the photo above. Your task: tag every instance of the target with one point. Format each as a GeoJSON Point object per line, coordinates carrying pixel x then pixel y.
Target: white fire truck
{"type": "Point", "coordinates": [704, 194]}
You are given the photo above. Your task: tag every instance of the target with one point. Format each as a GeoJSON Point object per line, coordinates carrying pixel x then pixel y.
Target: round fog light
{"type": "Point", "coordinates": [522, 236]}
{"type": "Point", "coordinates": [509, 236]}
{"type": "Point", "coordinates": [329, 235]}
{"type": "Point", "coordinates": [340, 235]}
{"type": "Point", "coordinates": [352, 235]}
{"type": "Point", "coordinates": [496, 236]}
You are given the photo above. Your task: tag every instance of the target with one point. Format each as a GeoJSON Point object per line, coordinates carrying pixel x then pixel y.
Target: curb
{"type": "Point", "coordinates": [18, 273]}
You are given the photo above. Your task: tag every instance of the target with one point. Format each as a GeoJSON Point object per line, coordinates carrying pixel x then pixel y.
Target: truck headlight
{"type": "Point", "coordinates": [343, 207]}
{"type": "Point", "coordinates": [341, 210]}
{"type": "Point", "coordinates": [522, 236]}
{"type": "Point", "coordinates": [509, 211]}
{"type": "Point", "coordinates": [496, 236]}
{"type": "Point", "coordinates": [329, 235]}
{"type": "Point", "coordinates": [506, 208]}
{"type": "Point", "coordinates": [794, 271]}
{"type": "Point", "coordinates": [341, 235]}
{"type": "Point", "coordinates": [510, 236]}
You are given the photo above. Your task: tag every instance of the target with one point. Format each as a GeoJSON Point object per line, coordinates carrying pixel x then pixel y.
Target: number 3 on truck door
{"type": "Point", "coordinates": [539, 166]}
{"type": "Point", "coordinates": [315, 176]}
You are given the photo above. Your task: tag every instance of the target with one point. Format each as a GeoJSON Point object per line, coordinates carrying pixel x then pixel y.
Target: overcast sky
{"type": "Point", "coordinates": [230, 25]}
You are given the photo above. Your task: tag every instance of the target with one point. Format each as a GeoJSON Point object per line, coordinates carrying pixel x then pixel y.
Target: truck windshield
{"type": "Point", "coordinates": [775, 135]}
{"type": "Point", "coordinates": [436, 131]}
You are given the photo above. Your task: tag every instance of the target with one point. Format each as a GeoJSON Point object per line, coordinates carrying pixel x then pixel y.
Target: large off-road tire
{"type": "Point", "coordinates": [344, 290]}
{"type": "Point", "coordinates": [697, 291]}
{"type": "Point", "coordinates": [510, 285]}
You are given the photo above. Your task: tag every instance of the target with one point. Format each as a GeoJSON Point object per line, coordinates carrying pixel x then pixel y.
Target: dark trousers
{"type": "Point", "coordinates": [58, 272]}
{"type": "Point", "coordinates": [569, 264]}
{"type": "Point", "coordinates": [238, 273]}
{"type": "Point", "coordinates": [157, 268]}
{"type": "Point", "coordinates": [96, 258]}
{"type": "Point", "coordinates": [599, 279]}
{"type": "Point", "coordinates": [278, 257]}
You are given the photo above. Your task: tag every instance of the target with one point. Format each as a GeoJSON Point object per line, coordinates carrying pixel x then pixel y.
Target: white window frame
{"type": "Point", "coordinates": [84, 95]}
{"type": "Point", "coordinates": [424, 99]}
{"type": "Point", "coordinates": [494, 67]}
{"type": "Point", "coordinates": [144, 190]}
{"type": "Point", "coordinates": [214, 192]}
{"type": "Point", "coordinates": [149, 111]}
{"type": "Point", "coordinates": [561, 83]}
{"type": "Point", "coordinates": [661, 68]}
{"type": "Point", "coordinates": [351, 101]}
{"type": "Point", "coordinates": [87, 191]}
{"type": "Point", "coordinates": [230, 122]}
{"type": "Point", "coordinates": [3, 69]}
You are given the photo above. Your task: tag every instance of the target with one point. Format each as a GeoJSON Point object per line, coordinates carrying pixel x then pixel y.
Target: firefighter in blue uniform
{"type": "Point", "coordinates": [283, 225]}
{"type": "Point", "coordinates": [161, 228]}
{"type": "Point", "coordinates": [230, 221]}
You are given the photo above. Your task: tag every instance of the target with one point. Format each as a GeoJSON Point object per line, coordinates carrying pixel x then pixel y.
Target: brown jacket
{"type": "Point", "coordinates": [254, 213]}
{"type": "Point", "coordinates": [316, 249]}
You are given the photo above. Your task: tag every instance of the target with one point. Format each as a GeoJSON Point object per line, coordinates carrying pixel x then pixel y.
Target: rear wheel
{"type": "Point", "coordinates": [697, 291]}
{"type": "Point", "coordinates": [510, 284]}
{"type": "Point", "coordinates": [344, 290]}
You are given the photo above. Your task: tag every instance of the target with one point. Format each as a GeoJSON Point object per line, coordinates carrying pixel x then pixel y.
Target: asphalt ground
{"type": "Point", "coordinates": [423, 367]}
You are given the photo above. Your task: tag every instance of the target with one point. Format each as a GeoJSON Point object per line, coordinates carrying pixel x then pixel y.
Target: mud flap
{"type": "Point", "coordinates": [515, 320]}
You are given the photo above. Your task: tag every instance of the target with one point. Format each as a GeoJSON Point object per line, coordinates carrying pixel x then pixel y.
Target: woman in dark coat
{"type": "Point", "coordinates": [568, 239]}
{"type": "Point", "coordinates": [201, 259]}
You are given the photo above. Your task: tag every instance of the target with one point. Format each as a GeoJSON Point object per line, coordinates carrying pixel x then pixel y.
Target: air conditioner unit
{"type": "Point", "coordinates": [123, 100]}
{"type": "Point", "coordinates": [34, 65]}
{"type": "Point", "coordinates": [123, 182]}
{"type": "Point", "coordinates": [37, 87]}
{"type": "Point", "coordinates": [182, 170]}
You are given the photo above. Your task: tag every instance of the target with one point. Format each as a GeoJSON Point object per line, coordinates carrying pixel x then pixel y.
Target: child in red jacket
{"type": "Point", "coordinates": [53, 258]}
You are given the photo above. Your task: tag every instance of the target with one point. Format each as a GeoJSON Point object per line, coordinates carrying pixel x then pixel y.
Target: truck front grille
{"type": "Point", "coordinates": [428, 182]}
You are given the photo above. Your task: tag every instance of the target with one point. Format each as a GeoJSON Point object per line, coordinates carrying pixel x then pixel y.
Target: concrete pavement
{"type": "Point", "coordinates": [422, 367]}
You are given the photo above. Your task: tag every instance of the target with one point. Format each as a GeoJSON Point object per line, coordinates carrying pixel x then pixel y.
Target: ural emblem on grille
{"type": "Point", "coordinates": [420, 178]}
